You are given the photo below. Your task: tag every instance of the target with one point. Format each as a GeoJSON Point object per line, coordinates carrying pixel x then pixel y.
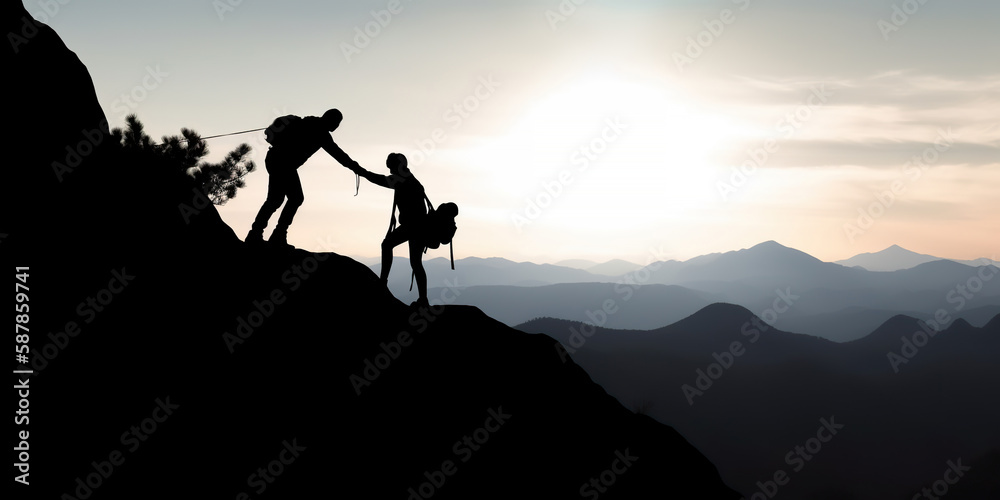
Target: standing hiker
{"type": "Point", "coordinates": [416, 226]}
{"type": "Point", "coordinates": [293, 140]}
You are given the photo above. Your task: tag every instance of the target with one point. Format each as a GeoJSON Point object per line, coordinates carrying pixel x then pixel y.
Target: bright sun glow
{"type": "Point", "coordinates": [641, 147]}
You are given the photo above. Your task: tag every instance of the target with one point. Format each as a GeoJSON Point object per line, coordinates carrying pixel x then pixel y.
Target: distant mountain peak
{"type": "Point", "coordinates": [719, 308]}
{"type": "Point", "coordinates": [614, 267]}
{"type": "Point", "coordinates": [893, 258]}
{"type": "Point", "coordinates": [769, 244]}
{"type": "Point", "coordinates": [901, 324]}
{"type": "Point", "coordinates": [961, 323]}
{"type": "Point", "coordinates": [774, 246]}
{"type": "Point", "coordinates": [717, 317]}
{"type": "Point", "coordinates": [993, 325]}
{"type": "Point", "coordinates": [774, 250]}
{"type": "Point", "coordinates": [940, 264]}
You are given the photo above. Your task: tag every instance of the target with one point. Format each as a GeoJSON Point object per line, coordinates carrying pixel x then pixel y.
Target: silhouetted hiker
{"type": "Point", "coordinates": [293, 140]}
{"type": "Point", "coordinates": [415, 225]}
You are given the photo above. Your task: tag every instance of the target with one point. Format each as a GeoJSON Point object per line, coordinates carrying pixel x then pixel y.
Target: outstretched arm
{"type": "Point", "coordinates": [379, 180]}
{"type": "Point", "coordinates": [338, 154]}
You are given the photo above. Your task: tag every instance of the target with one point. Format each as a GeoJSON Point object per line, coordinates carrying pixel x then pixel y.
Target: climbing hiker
{"type": "Point", "coordinates": [419, 223]}
{"type": "Point", "coordinates": [293, 140]}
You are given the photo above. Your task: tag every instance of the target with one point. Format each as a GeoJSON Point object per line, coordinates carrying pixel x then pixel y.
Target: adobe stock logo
{"type": "Point", "coordinates": [363, 36]}
{"type": "Point", "coordinates": [705, 378]}
{"type": "Point", "coordinates": [628, 286]}
{"type": "Point", "coordinates": [127, 102]}
{"type": "Point", "coordinates": [714, 30]}
{"type": "Point", "coordinates": [620, 465]}
{"type": "Point", "coordinates": [959, 295]}
{"type": "Point", "coordinates": [952, 474]}
{"type": "Point", "coordinates": [382, 361]}
{"type": "Point", "coordinates": [797, 458]}
{"type": "Point", "coordinates": [456, 115]}
{"type": "Point", "coordinates": [900, 16]}
{"type": "Point", "coordinates": [912, 171]}
{"type": "Point", "coordinates": [563, 12]}
{"type": "Point", "coordinates": [581, 158]}
{"type": "Point", "coordinates": [266, 475]}
{"type": "Point", "coordinates": [133, 438]}
{"type": "Point", "coordinates": [463, 449]}
{"type": "Point", "coordinates": [89, 142]}
{"type": "Point", "coordinates": [225, 7]}
{"type": "Point", "coordinates": [88, 309]}
{"type": "Point", "coordinates": [30, 27]}
{"type": "Point", "coordinates": [785, 129]}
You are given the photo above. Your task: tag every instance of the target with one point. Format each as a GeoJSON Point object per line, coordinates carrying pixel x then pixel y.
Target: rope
{"type": "Point", "coordinates": [215, 136]}
{"type": "Point", "coordinates": [234, 133]}
{"type": "Point", "coordinates": [357, 178]}
{"type": "Point", "coordinates": [227, 135]}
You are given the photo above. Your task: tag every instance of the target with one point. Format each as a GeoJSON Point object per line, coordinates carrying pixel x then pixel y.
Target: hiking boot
{"type": "Point", "coordinates": [279, 240]}
{"type": "Point", "coordinates": [421, 302]}
{"type": "Point", "coordinates": [254, 237]}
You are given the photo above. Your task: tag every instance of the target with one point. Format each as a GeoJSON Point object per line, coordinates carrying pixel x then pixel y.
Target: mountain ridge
{"type": "Point", "coordinates": [742, 396]}
{"type": "Point", "coordinates": [244, 351]}
{"type": "Point", "coordinates": [895, 258]}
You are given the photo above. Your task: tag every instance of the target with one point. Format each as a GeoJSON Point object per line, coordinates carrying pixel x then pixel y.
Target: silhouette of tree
{"type": "Point", "coordinates": [219, 181]}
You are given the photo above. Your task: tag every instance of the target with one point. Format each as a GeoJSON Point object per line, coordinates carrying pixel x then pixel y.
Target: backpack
{"type": "Point", "coordinates": [439, 228]}
{"type": "Point", "coordinates": [275, 134]}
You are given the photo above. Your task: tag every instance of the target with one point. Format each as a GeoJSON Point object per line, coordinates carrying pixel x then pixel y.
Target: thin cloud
{"type": "Point", "coordinates": [879, 154]}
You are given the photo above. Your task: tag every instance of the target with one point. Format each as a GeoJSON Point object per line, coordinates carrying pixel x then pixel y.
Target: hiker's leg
{"type": "Point", "coordinates": [275, 195]}
{"type": "Point", "coordinates": [293, 190]}
{"type": "Point", "coordinates": [417, 263]}
{"type": "Point", "coordinates": [392, 240]}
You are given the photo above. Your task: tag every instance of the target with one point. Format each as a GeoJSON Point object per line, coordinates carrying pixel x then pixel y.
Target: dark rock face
{"type": "Point", "coordinates": [171, 359]}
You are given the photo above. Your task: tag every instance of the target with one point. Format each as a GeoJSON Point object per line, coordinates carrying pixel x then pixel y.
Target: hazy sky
{"type": "Point", "coordinates": [598, 130]}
